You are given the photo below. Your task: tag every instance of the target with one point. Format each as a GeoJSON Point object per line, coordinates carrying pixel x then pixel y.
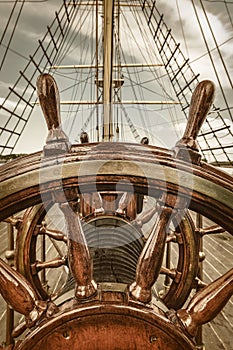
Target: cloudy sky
{"type": "Point", "coordinates": [178, 14]}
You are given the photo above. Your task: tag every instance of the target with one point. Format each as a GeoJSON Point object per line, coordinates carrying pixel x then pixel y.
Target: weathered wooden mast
{"type": "Point", "coordinates": [108, 9]}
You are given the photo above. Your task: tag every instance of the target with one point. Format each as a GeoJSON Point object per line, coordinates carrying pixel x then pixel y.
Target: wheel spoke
{"type": "Point", "coordinates": [55, 234]}
{"type": "Point", "coordinates": [42, 265]}
{"type": "Point", "coordinates": [212, 230]}
{"type": "Point", "coordinates": [56, 247]}
{"type": "Point", "coordinates": [172, 273]}
{"type": "Point", "coordinates": [171, 238]}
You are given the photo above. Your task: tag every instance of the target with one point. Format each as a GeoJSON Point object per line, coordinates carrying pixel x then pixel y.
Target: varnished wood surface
{"type": "Point", "coordinates": [219, 254]}
{"type": "Point", "coordinates": [154, 170]}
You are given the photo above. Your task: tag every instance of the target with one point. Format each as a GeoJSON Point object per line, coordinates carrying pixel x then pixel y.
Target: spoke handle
{"type": "Point", "coordinates": [206, 304]}
{"type": "Point", "coordinates": [57, 141]}
{"type": "Point", "coordinates": [49, 98]}
{"type": "Point", "coordinates": [150, 260]}
{"type": "Point", "coordinates": [20, 295]}
{"type": "Point", "coordinates": [201, 102]}
{"type": "Point", "coordinates": [80, 261]}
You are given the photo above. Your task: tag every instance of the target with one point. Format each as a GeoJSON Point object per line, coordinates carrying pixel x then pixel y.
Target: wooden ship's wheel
{"type": "Point", "coordinates": [115, 242]}
{"type": "Point", "coordinates": [113, 310]}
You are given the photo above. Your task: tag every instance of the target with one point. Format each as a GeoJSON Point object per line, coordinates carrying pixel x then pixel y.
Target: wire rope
{"type": "Point", "coordinates": [151, 53]}
{"type": "Point", "coordinates": [182, 28]}
{"type": "Point", "coordinates": [143, 119]}
{"type": "Point", "coordinates": [24, 113]}
{"type": "Point", "coordinates": [211, 58]}
{"type": "Point", "coordinates": [211, 50]}
{"type": "Point", "coordinates": [220, 1]}
{"type": "Point", "coordinates": [65, 51]}
{"type": "Point", "coordinates": [8, 22]}
{"type": "Point", "coordinates": [68, 47]}
{"type": "Point", "coordinates": [228, 12]}
{"type": "Point", "coordinates": [16, 52]}
{"type": "Point", "coordinates": [216, 44]}
{"type": "Point", "coordinates": [209, 124]}
{"type": "Point", "coordinates": [24, 1]}
{"type": "Point", "coordinates": [162, 84]}
{"type": "Point", "coordinates": [12, 34]}
{"type": "Point", "coordinates": [81, 96]}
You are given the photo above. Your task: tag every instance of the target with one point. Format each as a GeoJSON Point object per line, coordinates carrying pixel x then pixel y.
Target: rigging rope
{"type": "Point", "coordinates": [21, 109]}
{"type": "Point", "coordinates": [68, 47]}
{"type": "Point", "coordinates": [228, 12]}
{"type": "Point", "coordinates": [182, 28]}
{"type": "Point", "coordinates": [163, 84]}
{"type": "Point", "coordinates": [8, 22]}
{"type": "Point", "coordinates": [144, 117]}
{"type": "Point", "coordinates": [211, 50]}
{"type": "Point", "coordinates": [183, 81]}
{"type": "Point", "coordinates": [220, 1]}
{"type": "Point", "coordinates": [138, 83]}
{"type": "Point", "coordinates": [16, 52]}
{"type": "Point", "coordinates": [211, 58]}
{"type": "Point", "coordinates": [24, 1]}
{"type": "Point", "coordinates": [13, 32]}
{"type": "Point", "coordinates": [74, 96]}
{"type": "Point", "coordinates": [216, 44]}
{"type": "Point", "coordinates": [66, 50]}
